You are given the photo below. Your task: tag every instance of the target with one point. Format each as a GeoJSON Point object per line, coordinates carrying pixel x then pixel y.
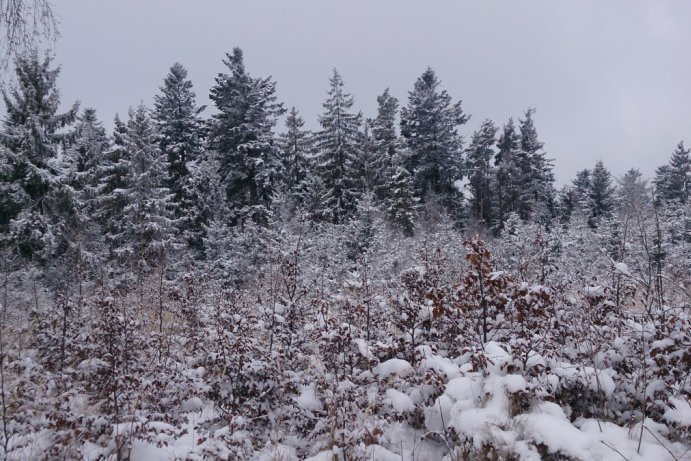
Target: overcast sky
{"type": "Point", "coordinates": [611, 80]}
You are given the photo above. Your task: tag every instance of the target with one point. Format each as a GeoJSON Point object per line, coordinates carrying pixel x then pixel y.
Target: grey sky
{"type": "Point", "coordinates": [611, 79]}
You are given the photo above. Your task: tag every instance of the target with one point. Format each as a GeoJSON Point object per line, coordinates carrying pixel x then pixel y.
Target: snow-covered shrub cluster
{"type": "Point", "coordinates": [451, 357]}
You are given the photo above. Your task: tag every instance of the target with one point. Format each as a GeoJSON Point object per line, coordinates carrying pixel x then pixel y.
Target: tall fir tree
{"type": "Point", "coordinates": [632, 193]}
{"type": "Point", "coordinates": [508, 190]}
{"type": "Point", "coordinates": [111, 176]}
{"type": "Point", "coordinates": [574, 198]}
{"type": "Point", "coordinates": [79, 187]}
{"type": "Point", "coordinates": [601, 194]}
{"type": "Point", "coordinates": [401, 203]}
{"type": "Point", "coordinates": [296, 154]}
{"type": "Point", "coordinates": [481, 173]}
{"type": "Point", "coordinates": [243, 140]}
{"type": "Point", "coordinates": [143, 233]}
{"type": "Point", "coordinates": [673, 181]}
{"type": "Point", "coordinates": [368, 163]}
{"type": "Point", "coordinates": [31, 137]}
{"type": "Point", "coordinates": [86, 150]}
{"type": "Point", "coordinates": [537, 178]}
{"type": "Point", "coordinates": [429, 126]}
{"type": "Point", "coordinates": [339, 145]}
{"type": "Point", "coordinates": [180, 139]}
{"type": "Point", "coordinates": [384, 143]}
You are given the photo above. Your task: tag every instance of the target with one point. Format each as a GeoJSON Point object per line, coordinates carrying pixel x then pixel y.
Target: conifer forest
{"type": "Point", "coordinates": [222, 283]}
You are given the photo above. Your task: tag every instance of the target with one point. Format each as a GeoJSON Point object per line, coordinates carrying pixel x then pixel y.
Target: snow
{"type": "Point", "coordinates": [308, 400]}
{"type": "Point", "coordinates": [440, 364]}
{"type": "Point", "coordinates": [594, 291]}
{"type": "Point", "coordinates": [622, 269]}
{"type": "Point", "coordinates": [437, 417]}
{"type": "Point", "coordinates": [326, 455]}
{"type": "Point", "coordinates": [399, 401]}
{"type": "Point", "coordinates": [364, 349]}
{"type": "Point", "coordinates": [390, 367]}
{"type": "Point", "coordinates": [678, 411]}
{"type": "Point", "coordinates": [497, 354]}
{"type": "Point", "coordinates": [382, 454]}
{"type": "Point", "coordinates": [515, 383]}
{"type": "Point", "coordinates": [462, 388]}
{"type": "Point", "coordinates": [278, 452]}
{"type": "Point", "coordinates": [192, 404]}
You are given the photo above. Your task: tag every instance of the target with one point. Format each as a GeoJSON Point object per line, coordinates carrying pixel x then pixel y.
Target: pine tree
{"type": "Point", "coordinates": [429, 125]}
{"type": "Point", "coordinates": [401, 204]}
{"type": "Point", "coordinates": [181, 131]}
{"type": "Point", "coordinates": [632, 193]}
{"type": "Point", "coordinates": [111, 175]}
{"type": "Point", "coordinates": [242, 138]}
{"type": "Point", "coordinates": [296, 151]}
{"type": "Point", "coordinates": [574, 198]}
{"type": "Point", "coordinates": [384, 143]}
{"type": "Point", "coordinates": [601, 194]}
{"type": "Point", "coordinates": [537, 178]}
{"type": "Point", "coordinates": [79, 184]}
{"type": "Point", "coordinates": [673, 181]}
{"type": "Point", "coordinates": [339, 151]}
{"type": "Point", "coordinates": [481, 173]}
{"type": "Point", "coordinates": [31, 135]}
{"type": "Point", "coordinates": [179, 126]}
{"type": "Point", "coordinates": [143, 233]}
{"type": "Point", "coordinates": [508, 173]}
{"type": "Point", "coordinates": [371, 167]}
{"type": "Point", "coordinates": [85, 153]}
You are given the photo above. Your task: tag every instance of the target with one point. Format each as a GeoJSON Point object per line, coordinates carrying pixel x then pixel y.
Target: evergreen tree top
{"type": "Point", "coordinates": [529, 138]}
{"type": "Point", "coordinates": [32, 122]}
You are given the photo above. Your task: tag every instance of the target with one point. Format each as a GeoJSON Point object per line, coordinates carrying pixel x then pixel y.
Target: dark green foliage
{"type": "Point", "coordinates": [673, 181]}
{"type": "Point", "coordinates": [339, 153]}
{"type": "Point", "coordinates": [508, 173]}
{"type": "Point", "coordinates": [243, 141]}
{"type": "Point", "coordinates": [481, 173]}
{"type": "Point", "coordinates": [601, 194]}
{"type": "Point", "coordinates": [30, 140]}
{"type": "Point", "coordinates": [296, 150]}
{"type": "Point", "coordinates": [180, 139]}
{"type": "Point", "coordinates": [429, 125]}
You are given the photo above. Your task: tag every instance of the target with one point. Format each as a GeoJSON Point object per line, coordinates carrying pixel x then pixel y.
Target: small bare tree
{"type": "Point", "coordinates": [24, 24]}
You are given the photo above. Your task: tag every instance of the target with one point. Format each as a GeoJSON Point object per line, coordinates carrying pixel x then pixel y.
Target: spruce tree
{"type": "Point", "coordinates": [30, 140]}
{"type": "Point", "coordinates": [632, 193]}
{"type": "Point", "coordinates": [537, 177]}
{"type": "Point", "coordinates": [243, 140]}
{"type": "Point", "coordinates": [429, 125]}
{"type": "Point", "coordinates": [673, 181]}
{"type": "Point", "coordinates": [142, 233]}
{"type": "Point", "coordinates": [601, 194]}
{"type": "Point", "coordinates": [179, 126]}
{"type": "Point", "coordinates": [79, 186]}
{"type": "Point", "coordinates": [508, 190]}
{"type": "Point", "coordinates": [180, 139]}
{"type": "Point", "coordinates": [111, 178]}
{"type": "Point", "coordinates": [384, 143]}
{"type": "Point", "coordinates": [481, 173]}
{"type": "Point", "coordinates": [296, 151]}
{"type": "Point", "coordinates": [339, 151]}
{"type": "Point", "coordinates": [574, 198]}
{"type": "Point", "coordinates": [86, 150]}
{"type": "Point", "coordinates": [401, 203]}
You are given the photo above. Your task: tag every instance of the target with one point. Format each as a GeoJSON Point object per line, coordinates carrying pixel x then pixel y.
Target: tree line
{"type": "Point", "coordinates": [168, 178]}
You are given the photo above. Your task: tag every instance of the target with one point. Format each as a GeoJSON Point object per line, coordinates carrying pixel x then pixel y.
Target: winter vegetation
{"type": "Point", "coordinates": [222, 283]}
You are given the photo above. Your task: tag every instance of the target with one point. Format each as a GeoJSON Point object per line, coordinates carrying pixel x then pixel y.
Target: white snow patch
{"type": "Point", "coordinates": [398, 367]}
{"type": "Point", "coordinates": [399, 401]}
{"type": "Point", "coordinates": [308, 400]}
